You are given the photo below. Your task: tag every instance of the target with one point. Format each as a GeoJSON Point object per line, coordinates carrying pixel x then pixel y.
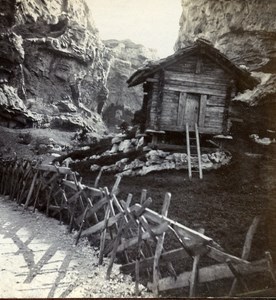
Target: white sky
{"type": "Point", "coordinates": [152, 23]}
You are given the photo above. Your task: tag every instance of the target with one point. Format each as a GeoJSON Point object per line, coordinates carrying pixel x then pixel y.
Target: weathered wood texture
{"type": "Point", "coordinates": [123, 229]}
{"type": "Point", "coordinates": [210, 83]}
{"type": "Point", "coordinates": [209, 274]}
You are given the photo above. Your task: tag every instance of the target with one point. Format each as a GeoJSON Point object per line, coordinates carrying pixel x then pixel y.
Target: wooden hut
{"type": "Point", "coordinates": [193, 86]}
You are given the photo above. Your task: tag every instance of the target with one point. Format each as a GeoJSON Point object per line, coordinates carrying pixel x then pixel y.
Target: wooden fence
{"type": "Point", "coordinates": [157, 250]}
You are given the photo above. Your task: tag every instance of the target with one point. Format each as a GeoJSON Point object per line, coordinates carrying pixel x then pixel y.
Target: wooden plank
{"type": "Point", "coordinates": [202, 110]}
{"type": "Point", "coordinates": [209, 274]}
{"type": "Point", "coordinates": [181, 109]}
{"type": "Point", "coordinates": [196, 90]}
{"type": "Point", "coordinates": [199, 64]}
{"type": "Point", "coordinates": [159, 246]}
{"type": "Point", "coordinates": [188, 84]}
{"type": "Point", "coordinates": [206, 129]}
{"type": "Point", "coordinates": [197, 78]}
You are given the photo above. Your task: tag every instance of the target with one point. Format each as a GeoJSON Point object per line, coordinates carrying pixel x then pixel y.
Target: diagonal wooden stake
{"type": "Point", "coordinates": [194, 273]}
{"type": "Point", "coordinates": [138, 255]}
{"type": "Point", "coordinates": [159, 246]}
{"type": "Point", "coordinates": [246, 249]}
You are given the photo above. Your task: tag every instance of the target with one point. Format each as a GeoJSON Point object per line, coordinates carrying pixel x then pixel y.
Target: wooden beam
{"type": "Point", "coordinates": [138, 255]}
{"type": "Point", "coordinates": [51, 168]}
{"type": "Point", "coordinates": [197, 90]}
{"type": "Point", "coordinates": [187, 232]}
{"type": "Point", "coordinates": [160, 98]}
{"type": "Point", "coordinates": [211, 273]}
{"type": "Point", "coordinates": [202, 110]}
{"type": "Point", "coordinates": [246, 248]}
{"type": "Point", "coordinates": [148, 262]}
{"type": "Point", "coordinates": [181, 109]}
{"type": "Point", "coordinates": [145, 236]}
{"type": "Point", "coordinates": [194, 273]}
{"type": "Point", "coordinates": [159, 246]}
{"type": "Point", "coordinates": [222, 257]}
{"type": "Point", "coordinates": [114, 219]}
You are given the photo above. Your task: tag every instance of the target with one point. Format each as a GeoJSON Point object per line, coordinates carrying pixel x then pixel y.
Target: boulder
{"type": "Point", "coordinates": [125, 146]}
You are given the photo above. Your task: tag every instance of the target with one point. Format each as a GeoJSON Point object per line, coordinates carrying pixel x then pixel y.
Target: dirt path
{"type": "Point", "coordinates": [38, 259]}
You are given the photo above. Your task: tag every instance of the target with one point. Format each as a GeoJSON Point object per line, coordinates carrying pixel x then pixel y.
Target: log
{"type": "Point", "coordinates": [186, 232]}
{"type": "Point", "coordinates": [30, 191]}
{"type": "Point", "coordinates": [51, 168]}
{"type": "Point", "coordinates": [237, 275]}
{"type": "Point", "coordinates": [103, 234]}
{"type": "Point", "coordinates": [92, 210]}
{"type": "Point", "coordinates": [211, 273]}
{"type": "Point", "coordinates": [270, 266]}
{"type": "Point", "coordinates": [159, 246]}
{"type": "Point", "coordinates": [172, 255]}
{"type": "Point", "coordinates": [98, 178]}
{"type": "Point", "coordinates": [115, 247]}
{"type": "Point", "coordinates": [222, 257]}
{"type": "Point", "coordinates": [138, 255]}
{"type": "Point", "coordinates": [71, 184]}
{"type": "Point", "coordinates": [158, 230]}
{"type": "Point", "coordinates": [246, 248]}
{"type": "Point", "coordinates": [194, 273]}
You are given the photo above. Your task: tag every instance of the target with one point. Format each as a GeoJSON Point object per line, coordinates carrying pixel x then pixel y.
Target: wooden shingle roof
{"type": "Point", "coordinates": [200, 46]}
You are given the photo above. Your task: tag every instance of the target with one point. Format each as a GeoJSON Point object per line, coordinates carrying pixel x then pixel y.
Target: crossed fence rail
{"type": "Point", "coordinates": [151, 246]}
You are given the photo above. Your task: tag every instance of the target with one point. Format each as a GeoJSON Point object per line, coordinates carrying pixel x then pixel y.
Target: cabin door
{"type": "Point", "coordinates": [192, 110]}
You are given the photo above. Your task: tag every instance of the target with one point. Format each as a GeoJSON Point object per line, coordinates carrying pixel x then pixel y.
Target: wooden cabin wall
{"type": "Point", "coordinates": [153, 104]}
{"type": "Point", "coordinates": [195, 74]}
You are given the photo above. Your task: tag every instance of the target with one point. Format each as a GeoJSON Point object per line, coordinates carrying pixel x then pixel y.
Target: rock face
{"type": "Point", "coordinates": [51, 53]}
{"type": "Point", "coordinates": [122, 101]}
{"type": "Point", "coordinates": [243, 30]}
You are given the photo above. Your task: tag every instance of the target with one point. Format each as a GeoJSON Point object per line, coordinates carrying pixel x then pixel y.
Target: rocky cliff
{"type": "Point", "coordinates": [122, 101]}
{"type": "Point", "coordinates": [50, 53]}
{"type": "Point", "coordinates": [243, 30]}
